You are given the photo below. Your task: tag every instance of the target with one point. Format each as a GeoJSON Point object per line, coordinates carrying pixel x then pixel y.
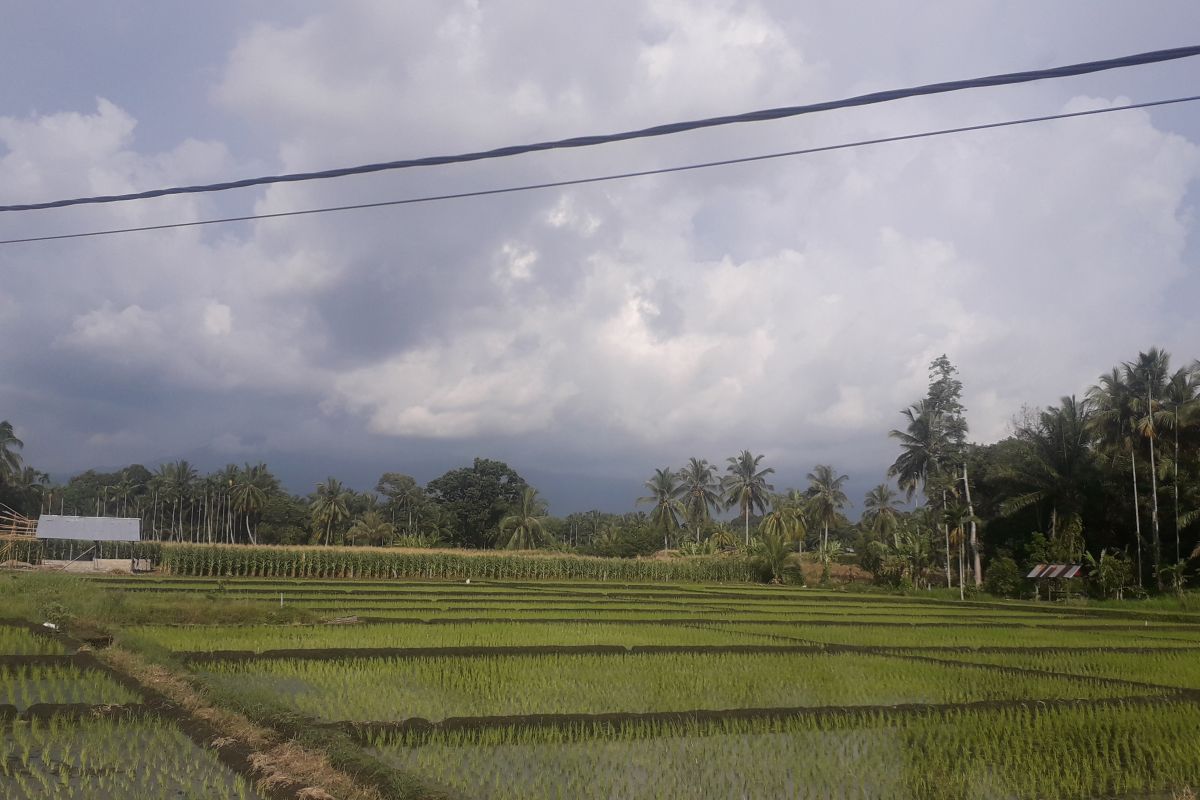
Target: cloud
{"type": "Point", "coordinates": [788, 307]}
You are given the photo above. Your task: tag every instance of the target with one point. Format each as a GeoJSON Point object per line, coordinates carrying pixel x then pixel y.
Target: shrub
{"type": "Point", "coordinates": [1003, 577]}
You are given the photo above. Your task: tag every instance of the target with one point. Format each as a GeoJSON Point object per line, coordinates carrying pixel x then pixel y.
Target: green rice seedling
{"type": "Point", "coordinates": [21, 642]}
{"type": "Point", "coordinates": [258, 638]}
{"type": "Point", "coordinates": [436, 688]}
{"type": "Point", "coordinates": [1168, 668]}
{"type": "Point", "coordinates": [146, 758]}
{"type": "Point", "coordinates": [1065, 753]}
{"type": "Point", "coordinates": [23, 685]}
{"type": "Point", "coordinates": [981, 635]}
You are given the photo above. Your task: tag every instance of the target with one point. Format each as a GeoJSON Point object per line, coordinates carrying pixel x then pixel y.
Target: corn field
{"type": "Point", "coordinates": [380, 563]}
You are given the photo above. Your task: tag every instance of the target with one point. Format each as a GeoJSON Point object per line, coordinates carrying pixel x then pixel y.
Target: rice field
{"type": "Point", "coordinates": [437, 688]}
{"type": "Point", "coordinates": [69, 730]}
{"type": "Point", "coordinates": [26, 685]}
{"type": "Point", "coordinates": [141, 757]}
{"type": "Point", "coordinates": [1054, 754]}
{"type": "Point", "coordinates": [590, 689]}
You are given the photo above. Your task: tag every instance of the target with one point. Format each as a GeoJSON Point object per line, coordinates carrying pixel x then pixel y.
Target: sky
{"type": "Point", "coordinates": [584, 335]}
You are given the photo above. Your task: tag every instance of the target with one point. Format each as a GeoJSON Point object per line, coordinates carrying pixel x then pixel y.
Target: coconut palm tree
{"type": "Point", "coordinates": [29, 485]}
{"type": "Point", "coordinates": [826, 498]}
{"type": "Point", "coordinates": [10, 459]}
{"type": "Point", "coordinates": [1180, 400]}
{"type": "Point", "coordinates": [746, 486]}
{"type": "Point", "coordinates": [1114, 415]}
{"type": "Point", "coordinates": [925, 449]}
{"type": "Point", "coordinates": [329, 506]}
{"type": "Point", "coordinates": [1147, 377]}
{"type": "Point", "coordinates": [881, 511]}
{"type": "Point", "coordinates": [701, 492]}
{"type": "Point", "coordinates": [1057, 468]}
{"type": "Point", "coordinates": [786, 519]}
{"type": "Point", "coordinates": [177, 480]}
{"type": "Point", "coordinates": [665, 494]}
{"type": "Point", "coordinates": [524, 529]}
{"type": "Point", "coordinates": [773, 556]}
{"type": "Point", "coordinates": [249, 496]}
{"type": "Point", "coordinates": [371, 528]}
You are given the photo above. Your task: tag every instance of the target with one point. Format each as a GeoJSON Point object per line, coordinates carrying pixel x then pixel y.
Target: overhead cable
{"type": "Point", "coordinates": [1154, 57]}
{"type": "Point", "coordinates": [602, 178]}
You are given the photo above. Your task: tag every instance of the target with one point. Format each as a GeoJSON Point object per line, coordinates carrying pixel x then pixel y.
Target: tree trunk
{"type": "Point", "coordinates": [747, 526]}
{"type": "Point", "coordinates": [1175, 487]}
{"type": "Point", "coordinates": [1156, 537]}
{"type": "Point", "coordinates": [1137, 514]}
{"type": "Point", "coordinates": [961, 592]}
{"type": "Point", "coordinates": [978, 566]}
{"type": "Point", "coordinates": [946, 531]}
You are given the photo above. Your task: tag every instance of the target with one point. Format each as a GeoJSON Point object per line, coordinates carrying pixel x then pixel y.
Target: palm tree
{"type": "Point", "coordinates": [925, 446]}
{"type": "Point", "coordinates": [1147, 377]}
{"type": "Point", "coordinates": [524, 529]}
{"type": "Point", "coordinates": [773, 555]}
{"type": "Point", "coordinates": [826, 498]}
{"type": "Point", "coordinates": [10, 459]}
{"type": "Point", "coordinates": [668, 512]}
{"type": "Point", "coordinates": [249, 496]}
{"type": "Point", "coordinates": [29, 485]}
{"type": "Point", "coordinates": [786, 519]}
{"type": "Point", "coordinates": [176, 480]}
{"type": "Point", "coordinates": [371, 528]}
{"type": "Point", "coordinates": [1181, 397]}
{"type": "Point", "coordinates": [403, 494]}
{"type": "Point", "coordinates": [329, 506]}
{"type": "Point", "coordinates": [1114, 419]}
{"type": "Point", "coordinates": [881, 512]}
{"type": "Point", "coordinates": [923, 449]}
{"type": "Point", "coordinates": [701, 492]}
{"type": "Point", "coordinates": [1056, 470]}
{"type": "Point", "coordinates": [746, 486]}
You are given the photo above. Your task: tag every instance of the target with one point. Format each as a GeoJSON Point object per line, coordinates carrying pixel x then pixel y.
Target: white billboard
{"type": "Point", "coordinates": [90, 529]}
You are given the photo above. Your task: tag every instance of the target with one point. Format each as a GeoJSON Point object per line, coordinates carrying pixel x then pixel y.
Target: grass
{"type": "Point", "coordinates": [437, 688]}
{"type": "Point", "coordinates": [85, 606]}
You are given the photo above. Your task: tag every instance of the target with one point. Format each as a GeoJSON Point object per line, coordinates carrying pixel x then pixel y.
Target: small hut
{"type": "Point", "coordinates": [1054, 577]}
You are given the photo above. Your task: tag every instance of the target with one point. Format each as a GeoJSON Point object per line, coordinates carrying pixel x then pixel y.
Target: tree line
{"type": "Point", "coordinates": [1111, 478]}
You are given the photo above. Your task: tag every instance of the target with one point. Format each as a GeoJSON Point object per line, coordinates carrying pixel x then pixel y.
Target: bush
{"type": "Point", "coordinates": [1003, 577]}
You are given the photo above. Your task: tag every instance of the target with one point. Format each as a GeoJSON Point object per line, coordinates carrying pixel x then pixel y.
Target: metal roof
{"type": "Point", "coordinates": [1055, 571]}
{"type": "Point", "coordinates": [90, 529]}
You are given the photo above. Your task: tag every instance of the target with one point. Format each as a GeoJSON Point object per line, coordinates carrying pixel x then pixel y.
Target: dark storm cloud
{"type": "Point", "coordinates": [584, 336]}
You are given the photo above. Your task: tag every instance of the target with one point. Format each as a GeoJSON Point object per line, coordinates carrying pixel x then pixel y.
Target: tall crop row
{"type": "Point", "coordinates": [331, 562]}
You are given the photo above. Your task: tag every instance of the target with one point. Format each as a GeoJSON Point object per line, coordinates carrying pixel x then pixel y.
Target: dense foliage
{"type": "Point", "coordinates": [1110, 479]}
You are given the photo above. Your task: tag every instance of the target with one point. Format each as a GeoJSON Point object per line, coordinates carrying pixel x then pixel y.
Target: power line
{"type": "Point", "coordinates": [612, 177]}
{"type": "Point", "coordinates": [1138, 59]}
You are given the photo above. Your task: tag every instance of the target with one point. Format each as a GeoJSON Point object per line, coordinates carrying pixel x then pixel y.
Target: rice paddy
{"type": "Point", "coordinates": [26, 685]}
{"type": "Point", "coordinates": [584, 690]}
{"type": "Point", "coordinates": [141, 757]}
